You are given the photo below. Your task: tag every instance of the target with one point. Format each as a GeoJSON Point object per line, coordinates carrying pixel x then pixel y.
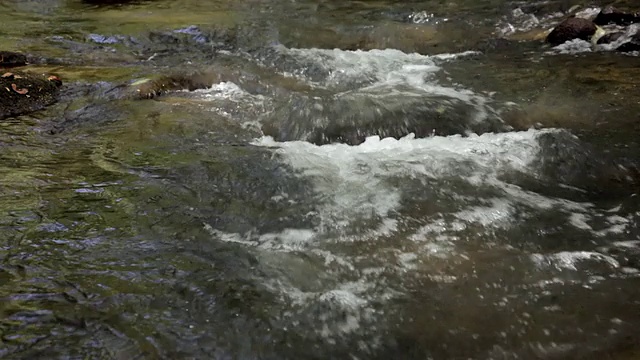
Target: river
{"type": "Point", "coordinates": [358, 180]}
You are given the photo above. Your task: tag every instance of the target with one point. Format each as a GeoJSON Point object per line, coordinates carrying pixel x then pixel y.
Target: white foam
{"type": "Point", "coordinates": [613, 229]}
{"type": "Point", "coordinates": [499, 214]}
{"type": "Point", "coordinates": [353, 178]}
{"type": "Point", "coordinates": [428, 156]}
{"type": "Point", "coordinates": [628, 33]}
{"type": "Point", "coordinates": [630, 244]}
{"type": "Point", "coordinates": [288, 240]}
{"type": "Point", "coordinates": [223, 90]}
{"type": "Point", "coordinates": [228, 99]}
{"type": "Point", "coordinates": [430, 230]}
{"type": "Point", "coordinates": [423, 17]}
{"type": "Point", "coordinates": [387, 74]}
{"type": "Point", "coordinates": [575, 46]}
{"type": "Point", "coordinates": [588, 13]}
{"type": "Point", "coordinates": [372, 65]}
{"type": "Point", "coordinates": [365, 182]}
{"type": "Point", "coordinates": [569, 259]}
{"type": "Point", "coordinates": [408, 261]}
{"type": "Point", "coordinates": [580, 221]}
{"type": "Point", "coordinates": [337, 312]}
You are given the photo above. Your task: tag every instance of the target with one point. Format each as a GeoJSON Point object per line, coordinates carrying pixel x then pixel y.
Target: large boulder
{"type": "Point", "coordinates": [572, 28]}
{"type": "Point", "coordinates": [22, 93]}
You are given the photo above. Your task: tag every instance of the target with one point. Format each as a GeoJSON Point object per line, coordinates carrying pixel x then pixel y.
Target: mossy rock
{"type": "Point", "coordinates": [22, 93]}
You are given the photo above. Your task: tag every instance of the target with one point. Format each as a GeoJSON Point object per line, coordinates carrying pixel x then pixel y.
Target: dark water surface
{"type": "Point", "coordinates": [495, 216]}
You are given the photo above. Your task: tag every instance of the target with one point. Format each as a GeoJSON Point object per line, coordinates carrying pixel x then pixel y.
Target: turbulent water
{"type": "Point", "coordinates": [359, 180]}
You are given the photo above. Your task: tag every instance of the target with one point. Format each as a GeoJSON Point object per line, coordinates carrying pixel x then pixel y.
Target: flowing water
{"type": "Point", "coordinates": [360, 180]}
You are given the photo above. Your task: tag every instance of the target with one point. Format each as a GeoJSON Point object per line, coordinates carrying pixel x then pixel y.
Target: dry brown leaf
{"type": "Point", "coordinates": [19, 91]}
{"type": "Point", "coordinates": [7, 74]}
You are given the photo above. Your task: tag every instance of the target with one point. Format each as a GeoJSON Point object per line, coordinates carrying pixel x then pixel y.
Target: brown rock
{"type": "Point", "coordinates": [150, 88]}
{"type": "Point", "coordinates": [571, 28]}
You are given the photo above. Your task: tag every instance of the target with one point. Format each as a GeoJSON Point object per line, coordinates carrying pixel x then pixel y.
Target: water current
{"type": "Point", "coordinates": [358, 180]}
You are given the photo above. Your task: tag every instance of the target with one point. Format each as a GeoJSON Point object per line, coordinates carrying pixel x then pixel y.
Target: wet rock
{"type": "Point", "coordinates": [572, 28]}
{"type": "Point", "coordinates": [102, 39]}
{"type": "Point", "coordinates": [608, 38]}
{"type": "Point", "coordinates": [195, 32]}
{"type": "Point", "coordinates": [12, 59]}
{"type": "Point", "coordinates": [150, 88]}
{"type": "Point", "coordinates": [22, 93]}
{"type": "Point", "coordinates": [611, 15]}
{"type": "Point", "coordinates": [632, 45]}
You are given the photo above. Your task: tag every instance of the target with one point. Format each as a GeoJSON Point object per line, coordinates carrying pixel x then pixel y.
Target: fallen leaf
{"type": "Point", "coordinates": [7, 74]}
{"type": "Point", "coordinates": [17, 77]}
{"type": "Point", "coordinates": [19, 91]}
{"type": "Point", "coordinates": [56, 80]}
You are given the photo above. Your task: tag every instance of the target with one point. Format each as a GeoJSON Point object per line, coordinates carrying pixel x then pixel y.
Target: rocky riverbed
{"type": "Point", "coordinates": [319, 179]}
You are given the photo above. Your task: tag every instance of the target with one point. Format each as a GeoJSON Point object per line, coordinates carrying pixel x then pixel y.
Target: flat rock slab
{"type": "Point", "coordinates": [22, 93]}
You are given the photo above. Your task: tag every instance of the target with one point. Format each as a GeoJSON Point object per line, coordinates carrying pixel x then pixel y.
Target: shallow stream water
{"type": "Point", "coordinates": [360, 180]}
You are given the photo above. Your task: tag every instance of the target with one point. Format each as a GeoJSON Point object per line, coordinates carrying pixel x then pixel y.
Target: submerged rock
{"type": "Point", "coordinates": [611, 15]}
{"type": "Point", "coordinates": [572, 28]}
{"type": "Point", "coordinates": [350, 119]}
{"type": "Point", "coordinates": [12, 59]}
{"type": "Point", "coordinates": [22, 93]}
{"type": "Point", "coordinates": [608, 38]}
{"type": "Point", "coordinates": [565, 159]}
{"type": "Point", "coordinates": [632, 45]}
{"type": "Point", "coordinates": [152, 87]}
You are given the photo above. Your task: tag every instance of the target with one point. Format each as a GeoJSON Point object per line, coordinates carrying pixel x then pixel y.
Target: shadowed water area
{"type": "Point", "coordinates": [318, 180]}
